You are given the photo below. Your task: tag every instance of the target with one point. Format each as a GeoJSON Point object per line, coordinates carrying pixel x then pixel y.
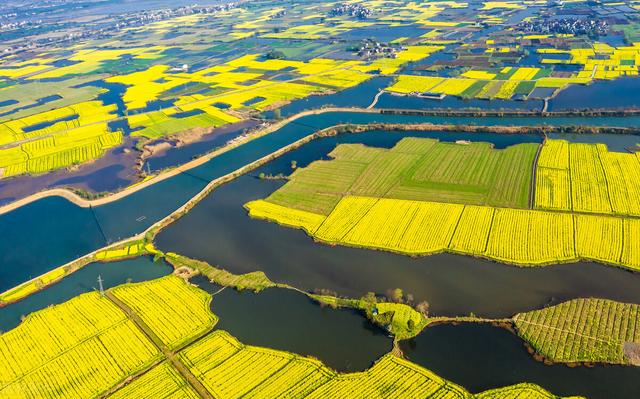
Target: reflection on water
{"type": "Point", "coordinates": [219, 231]}
{"type": "Point", "coordinates": [287, 320]}
{"type": "Point", "coordinates": [603, 94]}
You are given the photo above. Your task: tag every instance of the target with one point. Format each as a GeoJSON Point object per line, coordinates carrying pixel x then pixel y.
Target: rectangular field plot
{"type": "Point", "coordinates": [553, 189]}
{"type": "Point", "coordinates": [531, 237]}
{"type": "Point", "coordinates": [77, 350]}
{"type": "Point", "coordinates": [174, 310]}
{"type": "Point", "coordinates": [599, 238]}
{"type": "Point", "coordinates": [588, 182]}
{"type": "Point", "coordinates": [587, 178]}
{"type": "Point", "coordinates": [472, 232]}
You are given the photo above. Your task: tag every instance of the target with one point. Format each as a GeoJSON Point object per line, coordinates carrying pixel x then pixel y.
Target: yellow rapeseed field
{"type": "Point", "coordinates": [531, 237]}
{"type": "Point", "coordinates": [517, 236]}
{"type": "Point", "coordinates": [587, 178]}
{"type": "Point", "coordinates": [553, 189]}
{"type": "Point", "coordinates": [411, 84]}
{"type": "Point", "coordinates": [123, 252]}
{"type": "Point", "coordinates": [344, 217]}
{"type": "Point", "coordinates": [289, 217]}
{"type": "Point", "coordinates": [473, 230]}
{"type": "Point", "coordinates": [229, 369]}
{"type": "Point", "coordinates": [176, 311]}
{"type": "Point", "coordinates": [599, 238]}
{"type": "Point", "coordinates": [161, 382]}
{"type": "Point", "coordinates": [75, 350]}
{"type": "Point", "coordinates": [631, 249]}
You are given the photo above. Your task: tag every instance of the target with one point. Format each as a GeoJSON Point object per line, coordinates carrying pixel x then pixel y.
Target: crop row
{"type": "Point", "coordinates": [60, 151]}
{"type": "Point", "coordinates": [229, 369]}
{"type": "Point", "coordinates": [414, 169]}
{"type": "Point", "coordinates": [161, 382]}
{"type": "Point", "coordinates": [517, 236]}
{"type": "Point", "coordinates": [587, 178]}
{"type": "Point", "coordinates": [582, 330]}
{"type": "Point", "coordinates": [176, 312]}
{"type": "Point", "coordinates": [74, 350]}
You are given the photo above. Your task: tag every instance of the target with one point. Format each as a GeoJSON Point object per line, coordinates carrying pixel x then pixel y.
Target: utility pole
{"type": "Point", "coordinates": [100, 287]}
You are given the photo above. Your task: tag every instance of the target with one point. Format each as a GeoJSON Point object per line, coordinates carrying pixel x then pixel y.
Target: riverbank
{"type": "Point", "coordinates": [577, 129]}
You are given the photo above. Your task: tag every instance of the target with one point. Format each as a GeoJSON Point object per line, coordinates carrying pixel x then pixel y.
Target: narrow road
{"type": "Point", "coordinates": [170, 355]}
{"type": "Point", "coordinates": [375, 99]}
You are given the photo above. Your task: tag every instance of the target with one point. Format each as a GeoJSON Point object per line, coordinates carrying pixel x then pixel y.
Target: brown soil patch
{"type": "Point", "coordinates": [631, 351]}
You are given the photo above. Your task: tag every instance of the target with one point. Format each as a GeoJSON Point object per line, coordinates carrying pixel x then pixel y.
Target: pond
{"type": "Point", "coordinates": [287, 320]}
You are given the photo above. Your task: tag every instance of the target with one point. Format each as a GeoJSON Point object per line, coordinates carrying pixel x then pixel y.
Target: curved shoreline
{"type": "Point", "coordinates": [181, 210]}
{"type": "Point", "coordinates": [86, 203]}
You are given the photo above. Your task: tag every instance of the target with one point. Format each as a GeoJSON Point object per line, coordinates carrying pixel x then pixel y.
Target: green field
{"type": "Point", "coordinates": [584, 330]}
{"type": "Point", "coordinates": [414, 169]}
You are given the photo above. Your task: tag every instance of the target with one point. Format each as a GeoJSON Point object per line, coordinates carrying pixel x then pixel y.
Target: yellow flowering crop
{"type": "Point", "coordinates": [174, 310]}
{"type": "Point", "coordinates": [75, 350]}
{"type": "Point", "coordinates": [229, 369]}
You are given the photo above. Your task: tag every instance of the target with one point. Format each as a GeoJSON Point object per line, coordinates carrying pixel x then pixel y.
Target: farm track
{"type": "Point", "coordinates": [85, 203]}
{"type": "Point", "coordinates": [562, 330]}
{"type": "Point", "coordinates": [169, 355]}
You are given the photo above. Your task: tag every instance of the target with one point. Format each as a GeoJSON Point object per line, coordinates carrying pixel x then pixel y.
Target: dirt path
{"type": "Point", "coordinates": [85, 203]}
{"type": "Point", "coordinates": [566, 331]}
{"type": "Point", "coordinates": [168, 354]}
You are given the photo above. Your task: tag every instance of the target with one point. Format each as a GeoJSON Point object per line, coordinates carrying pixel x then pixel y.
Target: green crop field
{"type": "Point", "coordinates": [414, 169]}
{"type": "Point", "coordinates": [584, 330]}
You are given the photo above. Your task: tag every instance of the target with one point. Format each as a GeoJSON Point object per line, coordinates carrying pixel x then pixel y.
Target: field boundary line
{"type": "Point", "coordinates": [85, 203]}
{"type": "Point", "coordinates": [516, 318]}
{"type": "Point", "coordinates": [164, 349]}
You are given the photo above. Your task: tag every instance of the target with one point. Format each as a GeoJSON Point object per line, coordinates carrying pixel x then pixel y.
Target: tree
{"type": "Point", "coordinates": [370, 297]}
{"type": "Point", "coordinates": [275, 55]}
{"type": "Point", "coordinates": [395, 295]}
{"type": "Point", "coordinates": [423, 307]}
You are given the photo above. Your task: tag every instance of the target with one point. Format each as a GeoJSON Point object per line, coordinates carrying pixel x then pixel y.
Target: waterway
{"type": "Point", "coordinates": [82, 281]}
{"type": "Point", "coordinates": [602, 94]}
{"type": "Point", "coordinates": [288, 320]}
{"type": "Point", "coordinates": [219, 231]}
{"type": "Point", "coordinates": [52, 231]}
{"type": "Point", "coordinates": [481, 357]}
